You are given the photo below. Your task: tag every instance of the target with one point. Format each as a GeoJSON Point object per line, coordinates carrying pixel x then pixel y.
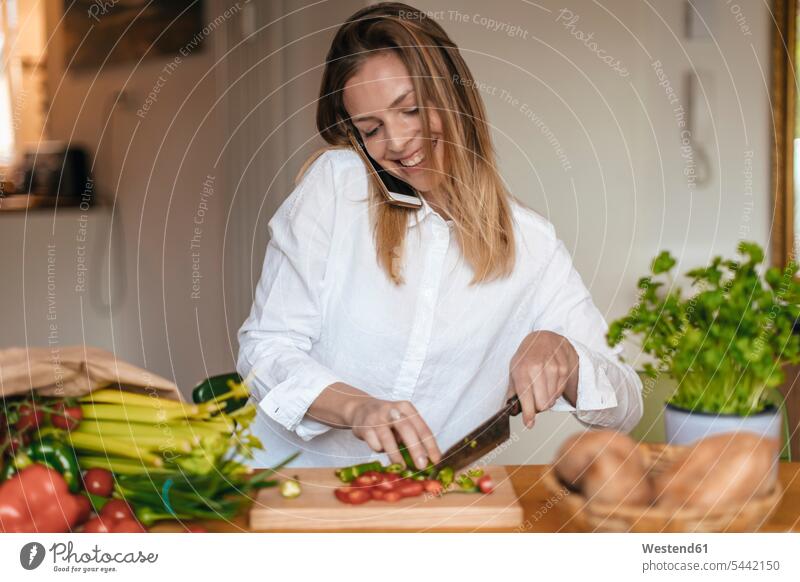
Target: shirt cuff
{"type": "Point", "coordinates": [596, 396]}
{"type": "Point", "coordinates": [287, 402]}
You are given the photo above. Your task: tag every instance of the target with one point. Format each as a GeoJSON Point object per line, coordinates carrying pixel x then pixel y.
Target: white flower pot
{"type": "Point", "coordinates": [684, 427]}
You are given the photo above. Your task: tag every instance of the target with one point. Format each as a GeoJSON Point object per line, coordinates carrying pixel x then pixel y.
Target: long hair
{"type": "Point", "coordinates": [476, 197]}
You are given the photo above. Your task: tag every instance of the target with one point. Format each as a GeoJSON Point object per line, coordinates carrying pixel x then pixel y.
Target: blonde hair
{"type": "Point", "coordinates": [476, 197]}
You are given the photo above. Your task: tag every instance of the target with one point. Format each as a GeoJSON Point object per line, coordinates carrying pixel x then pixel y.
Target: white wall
{"type": "Point", "coordinates": [624, 196]}
{"type": "Point", "coordinates": [153, 168]}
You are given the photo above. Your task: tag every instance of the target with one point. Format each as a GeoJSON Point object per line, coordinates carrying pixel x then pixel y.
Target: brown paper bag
{"type": "Point", "coordinates": [74, 371]}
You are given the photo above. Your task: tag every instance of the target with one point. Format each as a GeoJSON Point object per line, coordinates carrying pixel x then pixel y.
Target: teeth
{"type": "Point", "coordinates": [413, 161]}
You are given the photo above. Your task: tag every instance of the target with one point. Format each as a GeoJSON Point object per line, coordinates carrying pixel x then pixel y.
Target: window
{"type": "Point", "coordinates": [8, 21]}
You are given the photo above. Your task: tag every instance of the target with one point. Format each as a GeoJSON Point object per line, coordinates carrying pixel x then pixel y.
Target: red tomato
{"type": "Point", "coordinates": [66, 417]}
{"type": "Point", "coordinates": [116, 510]}
{"type": "Point", "coordinates": [368, 479]}
{"type": "Point", "coordinates": [85, 508]}
{"type": "Point", "coordinates": [410, 489]}
{"type": "Point", "coordinates": [96, 525]}
{"type": "Point", "coordinates": [386, 485]}
{"type": "Point", "coordinates": [358, 496]}
{"type": "Point", "coordinates": [392, 496]}
{"type": "Point", "coordinates": [432, 486]}
{"type": "Point", "coordinates": [196, 529]}
{"type": "Point", "coordinates": [390, 477]}
{"type": "Point", "coordinates": [29, 417]}
{"type": "Point", "coordinates": [99, 482]}
{"type": "Point", "coordinates": [485, 484]}
{"type": "Point", "coordinates": [377, 493]}
{"type": "Point", "coordinates": [342, 494]}
{"type": "Point", "coordinates": [128, 526]}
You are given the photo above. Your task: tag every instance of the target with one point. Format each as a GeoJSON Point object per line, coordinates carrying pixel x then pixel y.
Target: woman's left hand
{"type": "Point", "coordinates": [544, 367]}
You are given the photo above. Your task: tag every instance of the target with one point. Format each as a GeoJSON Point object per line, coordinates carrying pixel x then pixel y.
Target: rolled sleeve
{"type": "Point", "coordinates": [609, 391]}
{"type": "Point", "coordinates": [285, 322]}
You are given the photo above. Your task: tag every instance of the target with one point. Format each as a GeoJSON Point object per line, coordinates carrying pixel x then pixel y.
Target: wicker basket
{"type": "Point", "coordinates": [581, 515]}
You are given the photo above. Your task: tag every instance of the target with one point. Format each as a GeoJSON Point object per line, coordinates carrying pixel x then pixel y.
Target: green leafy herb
{"type": "Point", "coordinates": [726, 344]}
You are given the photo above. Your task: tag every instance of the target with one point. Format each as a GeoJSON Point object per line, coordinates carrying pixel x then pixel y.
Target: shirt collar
{"type": "Point", "coordinates": [426, 210]}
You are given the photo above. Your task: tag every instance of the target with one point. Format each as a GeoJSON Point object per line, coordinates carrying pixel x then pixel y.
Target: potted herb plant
{"type": "Point", "coordinates": [725, 345]}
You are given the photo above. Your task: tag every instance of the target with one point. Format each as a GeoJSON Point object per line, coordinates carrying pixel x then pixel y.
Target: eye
{"type": "Point", "coordinates": [371, 133]}
{"type": "Point", "coordinates": [413, 111]}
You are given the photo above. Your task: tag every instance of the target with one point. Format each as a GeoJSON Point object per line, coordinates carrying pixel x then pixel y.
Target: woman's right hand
{"type": "Point", "coordinates": [379, 423]}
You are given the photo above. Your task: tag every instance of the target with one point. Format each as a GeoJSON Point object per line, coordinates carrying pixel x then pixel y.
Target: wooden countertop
{"type": "Point", "coordinates": [542, 513]}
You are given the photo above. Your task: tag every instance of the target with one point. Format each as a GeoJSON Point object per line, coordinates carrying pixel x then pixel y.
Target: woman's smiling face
{"type": "Point", "coordinates": [382, 104]}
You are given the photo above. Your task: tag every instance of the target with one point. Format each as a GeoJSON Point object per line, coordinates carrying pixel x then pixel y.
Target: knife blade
{"type": "Point", "coordinates": [485, 438]}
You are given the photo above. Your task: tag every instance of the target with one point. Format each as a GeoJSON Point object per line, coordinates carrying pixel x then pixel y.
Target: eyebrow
{"type": "Point", "coordinates": [394, 103]}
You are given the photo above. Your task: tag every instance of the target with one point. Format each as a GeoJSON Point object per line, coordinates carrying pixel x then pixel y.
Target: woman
{"type": "Point", "coordinates": [375, 323]}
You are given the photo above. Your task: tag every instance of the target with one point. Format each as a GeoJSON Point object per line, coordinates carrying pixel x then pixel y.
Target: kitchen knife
{"type": "Point", "coordinates": [482, 440]}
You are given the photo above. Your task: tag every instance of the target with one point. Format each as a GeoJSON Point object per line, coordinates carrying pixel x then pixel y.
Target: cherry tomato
{"type": "Point", "coordinates": [368, 479]}
{"type": "Point", "coordinates": [29, 417]}
{"type": "Point", "coordinates": [128, 526]}
{"type": "Point", "coordinates": [342, 494]}
{"type": "Point", "coordinates": [392, 496]}
{"type": "Point", "coordinates": [432, 486]}
{"type": "Point", "coordinates": [196, 529]}
{"type": "Point", "coordinates": [15, 442]}
{"type": "Point", "coordinates": [410, 489]}
{"type": "Point", "coordinates": [390, 478]}
{"type": "Point", "coordinates": [358, 496]}
{"type": "Point", "coordinates": [99, 482]}
{"type": "Point", "coordinates": [66, 417]}
{"type": "Point", "coordinates": [96, 525]}
{"type": "Point", "coordinates": [386, 486]}
{"type": "Point", "coordinates": [378, 494]}
{"type": "Point", "coordinates": [85, 508]}
{"type": "Point", "coordinates": [485, 484]}
{"type": "Point", "coordinates": [116, 510]}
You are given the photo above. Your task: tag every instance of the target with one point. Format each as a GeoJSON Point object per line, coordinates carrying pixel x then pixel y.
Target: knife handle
{"type": "Point", "coordinates": [513, 405]}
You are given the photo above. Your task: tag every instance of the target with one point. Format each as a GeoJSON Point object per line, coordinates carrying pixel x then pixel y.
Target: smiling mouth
{"type": "Point", "coordinates": [416, 159]}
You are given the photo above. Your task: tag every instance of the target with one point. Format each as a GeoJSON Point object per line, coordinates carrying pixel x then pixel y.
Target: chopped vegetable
{"type": "Point", "coordinates": [348, 474]}
{"type": "Point", "coordinates": [291, 488]}
{"type": "Point", "coordinates": [485, 484]}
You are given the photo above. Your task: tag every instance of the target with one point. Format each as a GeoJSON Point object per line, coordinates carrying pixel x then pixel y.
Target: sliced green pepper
{"type": "Point", "coordinates": [290, 488]}
{"type": "Point", "coordinates": [465, 482]}
{"type": "Point", "coordinates": [394, 468]}
{"type": "Point", "coordinates": [446, 475]}
{"type": "Point", "coordinates": [348, 474]}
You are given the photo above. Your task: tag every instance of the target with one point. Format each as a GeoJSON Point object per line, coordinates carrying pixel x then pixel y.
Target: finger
{"type": "Point", "coordinates": [408, 434]}
{"type": "Point", "coordinates": [426, 436]}
{"type": "Point", "coordinates": [546, 387]}
{"type": "Point", "coordinates": [521, 384]}
{"type": "Point", "coordinates": [389, 443]}
{"type": "Point", "coordinates": [371, 438]}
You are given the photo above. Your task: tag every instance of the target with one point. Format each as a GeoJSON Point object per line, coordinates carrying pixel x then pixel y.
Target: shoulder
{"type": "Point", "coordinates": [322, 188]}
{"type": "Point", "coordinates": [332, 163]}
{"type": "Point", "coordinates": [534, 231]}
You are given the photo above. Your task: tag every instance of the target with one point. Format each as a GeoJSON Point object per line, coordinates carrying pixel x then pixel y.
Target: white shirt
{"type": "Point", "coordinates": [326, 312]}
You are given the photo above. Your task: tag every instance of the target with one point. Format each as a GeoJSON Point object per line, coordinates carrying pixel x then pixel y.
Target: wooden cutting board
{"type": "Point", "coordinates": [317, 509]}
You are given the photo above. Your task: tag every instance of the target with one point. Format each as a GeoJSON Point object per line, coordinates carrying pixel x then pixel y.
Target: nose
{"type": "Point", "coordinates": [397, 136]}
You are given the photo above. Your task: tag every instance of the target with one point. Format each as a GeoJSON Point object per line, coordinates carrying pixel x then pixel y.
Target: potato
{"type": "Point", "coordinates": [719, 470]}
{"type": "Point", "coordinates": [606, 466]}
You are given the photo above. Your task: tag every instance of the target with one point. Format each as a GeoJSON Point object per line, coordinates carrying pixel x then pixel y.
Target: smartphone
{"type": "Point", "coordinates": [395, 190]}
